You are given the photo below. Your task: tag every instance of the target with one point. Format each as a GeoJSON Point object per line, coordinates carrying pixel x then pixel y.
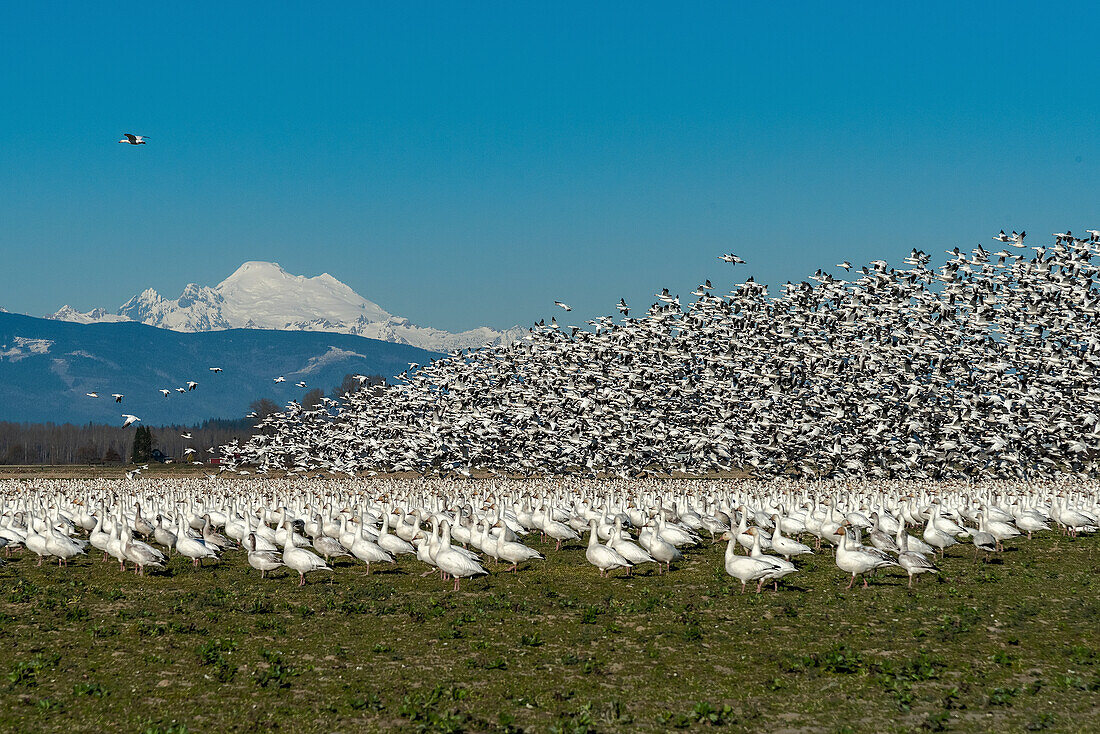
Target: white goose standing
{"type": "Point", "coordinates": [601, 556]}
{"type": "Point", "coordinates": [300, 559]}
{"type": "Point", "coordinates": [450, 561]}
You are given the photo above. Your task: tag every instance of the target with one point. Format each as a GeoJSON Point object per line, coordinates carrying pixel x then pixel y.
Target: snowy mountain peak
{"type": "Point", "coordinates": [96, 315]}
{"type": "Point", "coordinates": [272, 297]}
{"type": "Point", "coordinates": [262, 295]}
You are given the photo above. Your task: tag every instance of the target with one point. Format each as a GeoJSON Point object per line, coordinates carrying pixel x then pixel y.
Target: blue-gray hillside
{"type": "Point", "coordinates": [46, 367]}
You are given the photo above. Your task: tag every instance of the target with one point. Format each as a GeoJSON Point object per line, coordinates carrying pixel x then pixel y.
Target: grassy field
{"type": "Point", "coordinates": [1010, 645]}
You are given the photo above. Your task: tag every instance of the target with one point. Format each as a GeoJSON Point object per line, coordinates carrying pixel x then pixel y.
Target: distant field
{"type": "Point", "coordinates": [1009, 645]}
{"type": "Point", "coordinates": [99, 471]}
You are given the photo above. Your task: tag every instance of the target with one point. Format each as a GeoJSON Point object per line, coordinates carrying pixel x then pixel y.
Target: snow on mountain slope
{"type": "Point", "coordinates": [48, 366]}
{"type": "Point", "coordinates": [261, 295]}
{"type": "Point", "coordinates": [95, 316]}
{"type": "Point", "coordinates": [270, 297]}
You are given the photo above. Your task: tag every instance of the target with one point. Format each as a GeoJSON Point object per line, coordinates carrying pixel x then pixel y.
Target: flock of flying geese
{"type": "Point", "coordinates": [129, 419]}
{"type": "Point", "coordinates": [986, 366]}
{"type": "Point", "coordinates": [453, 527]}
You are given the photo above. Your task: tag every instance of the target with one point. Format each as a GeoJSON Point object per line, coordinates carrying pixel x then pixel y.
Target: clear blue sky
{"type": "Point", "coordinates": [469, 163]}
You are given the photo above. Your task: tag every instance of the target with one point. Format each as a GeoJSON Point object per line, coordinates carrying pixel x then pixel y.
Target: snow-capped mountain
{"type": "Point", "coordinates": [261, 295]}
{"type": "Point", "coordinates": [95, 316]}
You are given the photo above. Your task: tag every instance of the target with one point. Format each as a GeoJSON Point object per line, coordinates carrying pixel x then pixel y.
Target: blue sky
{"type": "Point", "coordinates": [468, 164]}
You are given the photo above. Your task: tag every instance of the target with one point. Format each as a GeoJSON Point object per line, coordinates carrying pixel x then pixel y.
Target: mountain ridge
{"type": "Point", "coordinates": [262, 295]}
{"type": "Point", "coordinates": [47, 367]}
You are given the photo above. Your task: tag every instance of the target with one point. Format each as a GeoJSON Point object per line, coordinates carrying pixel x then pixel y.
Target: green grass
{"type": "Point", "coordinates": [1012, 645]}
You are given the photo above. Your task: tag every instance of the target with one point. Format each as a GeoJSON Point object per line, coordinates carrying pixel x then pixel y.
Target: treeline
{"type": "Point", "coordinates": [92, 443]}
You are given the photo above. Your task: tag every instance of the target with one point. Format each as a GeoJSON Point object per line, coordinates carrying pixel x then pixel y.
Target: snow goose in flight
{"type": "Point", "coordinates": [731, 258]}
{"type": "Point", "coordinates": [280, 378]}
{"type": "Point", "coordinates": [117, 396]}
{"type": "Point", "coordinates": [566, 307]}
{"type": "Point", "coordinates": [133, 139]}
{"type": "Point", "coordinates": [92, 394]}
{"type": "Point", "coordinates": [191, 385]}
{"type": "Point", "coordinates": [128, 419]}
{"type": "Point", "coordinates": [165, 392]}
{"type": "Point", "coordinates": [215, 369]}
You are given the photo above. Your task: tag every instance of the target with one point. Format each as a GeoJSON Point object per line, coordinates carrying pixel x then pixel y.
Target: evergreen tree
{"type": "Point", "coordinates": [143, 445]}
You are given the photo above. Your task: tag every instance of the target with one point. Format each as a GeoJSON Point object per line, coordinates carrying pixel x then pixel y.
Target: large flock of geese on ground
{"type": "Point", "coordinates": [986, 366]}
{"type": "Point", "coordinates": [461, 528]}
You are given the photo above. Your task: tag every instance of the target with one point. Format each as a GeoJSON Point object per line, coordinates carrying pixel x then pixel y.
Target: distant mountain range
{"type": "Point", "coordinates": [261, 295]}
{"type": "Point", "coordinates": [47, 366]}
